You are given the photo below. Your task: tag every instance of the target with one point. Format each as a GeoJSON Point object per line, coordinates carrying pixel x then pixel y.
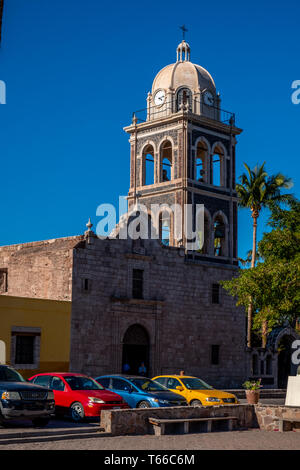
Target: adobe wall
{"type": "Point", "coordinates": [39, 269]}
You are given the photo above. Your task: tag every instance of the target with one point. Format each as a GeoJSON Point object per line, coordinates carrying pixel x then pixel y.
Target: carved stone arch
{"type": "Point", "coordinates": [142, 156]}
{"type": "Point", "coordinates": [220, 213]}
{"type": "Point", "coordinates": [221, 145]}
{"type": "Point", "coordinates": [205, 164]}
{"type": "Point", "coordinates": [164, 140]}
{"type": "Point", "coordinates": [135, 340]}
{"type": "Point", "coordinates": [223, 242]}
{"type": "Point", "coordinates": [283, 346]}
{"type": "Point", "coordinates": [144, 145]}
{"type": "Point", "coordinates": [127, 333]}
{"type": "Point", "coordinates": [219, 149]}
{"type": "Point", "coordinates": [203, 139]}
{"type": "Point", "coordinates": [288, 331]}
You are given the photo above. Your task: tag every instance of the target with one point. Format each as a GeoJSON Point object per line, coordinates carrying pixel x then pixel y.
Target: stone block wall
{"type": "Point", "coordinates": [39, 269]}
{"type": "Point", "coordinates": [177, 312]}
{"type": "Point", "coordinates": [135, 421]}
{"type": "Point", "coordinates": [268, 416]}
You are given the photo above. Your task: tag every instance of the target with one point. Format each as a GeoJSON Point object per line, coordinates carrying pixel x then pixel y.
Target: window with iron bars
{"type": "Point", "coordinates": [25, 349]}
{"type": "Point", "coordinates": [215, 354]}
{"type": "Point", "coordinates": [215, 294]}
{"type": "Point", "coordinates": [137, 283]}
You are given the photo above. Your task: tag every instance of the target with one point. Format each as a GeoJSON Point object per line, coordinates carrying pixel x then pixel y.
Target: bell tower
{"type": "Point", "coordinates": [182, 151]}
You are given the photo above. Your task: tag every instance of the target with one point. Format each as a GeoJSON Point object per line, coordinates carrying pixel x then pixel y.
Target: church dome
{"type": "Point", "coordinates": [183, 73]}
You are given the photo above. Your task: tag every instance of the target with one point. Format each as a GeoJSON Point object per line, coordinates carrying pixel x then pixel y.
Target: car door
{"type": "Point", "coordinates": [60, 393]}
{"type": "Point", "coordinates": [172, 383]}
{"type": "Point", "coordinates": [42, 380]}
{"type": "Point", "coordinates": [124, 388]}
{"type": "Point", "coordinates": [161, 380]}
{"type": "Point", "coordinates": [104, 381]}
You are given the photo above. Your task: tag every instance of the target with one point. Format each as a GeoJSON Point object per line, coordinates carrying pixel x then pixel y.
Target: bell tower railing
{"type": "Point", "coordinates": [196, 107]}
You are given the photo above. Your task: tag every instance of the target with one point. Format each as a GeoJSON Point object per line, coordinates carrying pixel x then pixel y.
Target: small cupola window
{"type": "Point", "coordinates": [184, 97]}
{"type": "Point", "coordinates": [183, 52]}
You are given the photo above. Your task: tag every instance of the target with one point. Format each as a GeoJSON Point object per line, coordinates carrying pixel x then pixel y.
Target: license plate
{"type": "Point", "coordinates": [117, 407]}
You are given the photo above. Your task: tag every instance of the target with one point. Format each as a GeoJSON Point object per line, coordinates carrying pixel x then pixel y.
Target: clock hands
{"type": "Point", "coordinates": [159, 98]}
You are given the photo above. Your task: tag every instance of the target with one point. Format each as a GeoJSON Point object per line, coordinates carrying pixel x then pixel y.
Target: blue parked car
{"type": "Point", "coordinates": [141, 392]}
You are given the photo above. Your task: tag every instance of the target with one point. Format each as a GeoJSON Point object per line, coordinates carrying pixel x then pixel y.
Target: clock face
{"type": "Point", "coordinates": [159, 97]}
{"type": "Point", "coordinates": [208, 98]}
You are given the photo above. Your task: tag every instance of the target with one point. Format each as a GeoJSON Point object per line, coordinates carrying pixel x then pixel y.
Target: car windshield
{"type": "Point", "coordinates": [196, 384]}
{"type": "Point", "coordinates": [10, 375]}
{"type": "Point", "coordinates": [148, 385]}
{"type": "Point", "coordinates": [82, 383]}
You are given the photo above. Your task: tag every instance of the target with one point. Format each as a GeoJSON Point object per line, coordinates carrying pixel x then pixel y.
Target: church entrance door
{"type": "Point", "coordinates": [135, 349]}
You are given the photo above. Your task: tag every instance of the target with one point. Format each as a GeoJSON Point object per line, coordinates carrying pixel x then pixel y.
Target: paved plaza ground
{"type": "Point", "coordinates": [235, 440]}
{"type": "Point", "coordinates": [66, 435]}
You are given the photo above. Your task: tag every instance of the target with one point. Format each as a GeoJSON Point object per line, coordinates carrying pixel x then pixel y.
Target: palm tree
{"type": "Point", "coordinates": [256, 191]}
{"type": "Point", "coordinates": [247, 261]}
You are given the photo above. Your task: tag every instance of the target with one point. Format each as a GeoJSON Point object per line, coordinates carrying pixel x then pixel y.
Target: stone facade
{"type": "Point", "coordinates": [176, 311]}
{"type": "Point", "coordinates": [184, 131]}
{"type": "Point", "coordinates": [39, 269]}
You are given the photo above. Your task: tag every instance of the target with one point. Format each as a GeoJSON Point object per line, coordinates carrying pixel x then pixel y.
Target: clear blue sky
{"type": "Point", "coordinates": [75, 70]}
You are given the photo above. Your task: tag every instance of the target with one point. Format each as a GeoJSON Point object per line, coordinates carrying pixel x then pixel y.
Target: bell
{"type": "Point", "coordinates": [220, 231]}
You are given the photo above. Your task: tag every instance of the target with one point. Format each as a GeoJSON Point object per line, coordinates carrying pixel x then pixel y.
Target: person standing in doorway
{"type": "Point", "coordinates": [142, 369]}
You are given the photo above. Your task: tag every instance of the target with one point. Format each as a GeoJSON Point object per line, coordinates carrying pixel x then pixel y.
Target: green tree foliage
{"type": "Point", "coordinates": [274, 284]}
{"type": "Point", "coordinates": [258, 190]}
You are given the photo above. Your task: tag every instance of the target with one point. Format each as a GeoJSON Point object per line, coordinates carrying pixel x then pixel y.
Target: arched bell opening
{"type": "Point", "coordinates": [148, 166]}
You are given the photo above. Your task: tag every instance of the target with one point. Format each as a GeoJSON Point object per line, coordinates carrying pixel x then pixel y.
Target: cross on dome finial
{"type": "Point", "coordinates": [184, 30]}
{"type": "Point", "coordinates": [183, 49]}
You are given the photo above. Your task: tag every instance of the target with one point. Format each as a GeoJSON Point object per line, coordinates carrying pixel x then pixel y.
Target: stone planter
{"type": "Point", "coordinates": [252, 396]}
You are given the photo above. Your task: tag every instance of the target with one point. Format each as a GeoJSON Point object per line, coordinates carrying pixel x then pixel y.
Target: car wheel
{"type": "Point", "coordinates": [77, 412]}
{"type": "Point", "coordinates": [40, 422]}
{"type": "Point", "coordinates": [144, 404]}
{"type": "Point", "coordinates": [196, 403]}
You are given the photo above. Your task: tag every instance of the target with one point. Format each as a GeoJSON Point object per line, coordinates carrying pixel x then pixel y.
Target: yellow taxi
{"type": "Point", "coordinates": [195, 390]}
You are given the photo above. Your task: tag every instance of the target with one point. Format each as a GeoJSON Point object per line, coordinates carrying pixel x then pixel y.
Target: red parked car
{"type": "Point", "coordinates": [78, 395]}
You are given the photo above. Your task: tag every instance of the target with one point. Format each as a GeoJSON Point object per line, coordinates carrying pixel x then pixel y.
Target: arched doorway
{"type": "Point", "coordinates": [135, 348]}
{"type": "Point", "coordinates": [285, 365]}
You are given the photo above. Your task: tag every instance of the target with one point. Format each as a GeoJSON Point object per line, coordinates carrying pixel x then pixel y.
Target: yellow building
{"type": "Point", "coordinates": [36, 334]}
